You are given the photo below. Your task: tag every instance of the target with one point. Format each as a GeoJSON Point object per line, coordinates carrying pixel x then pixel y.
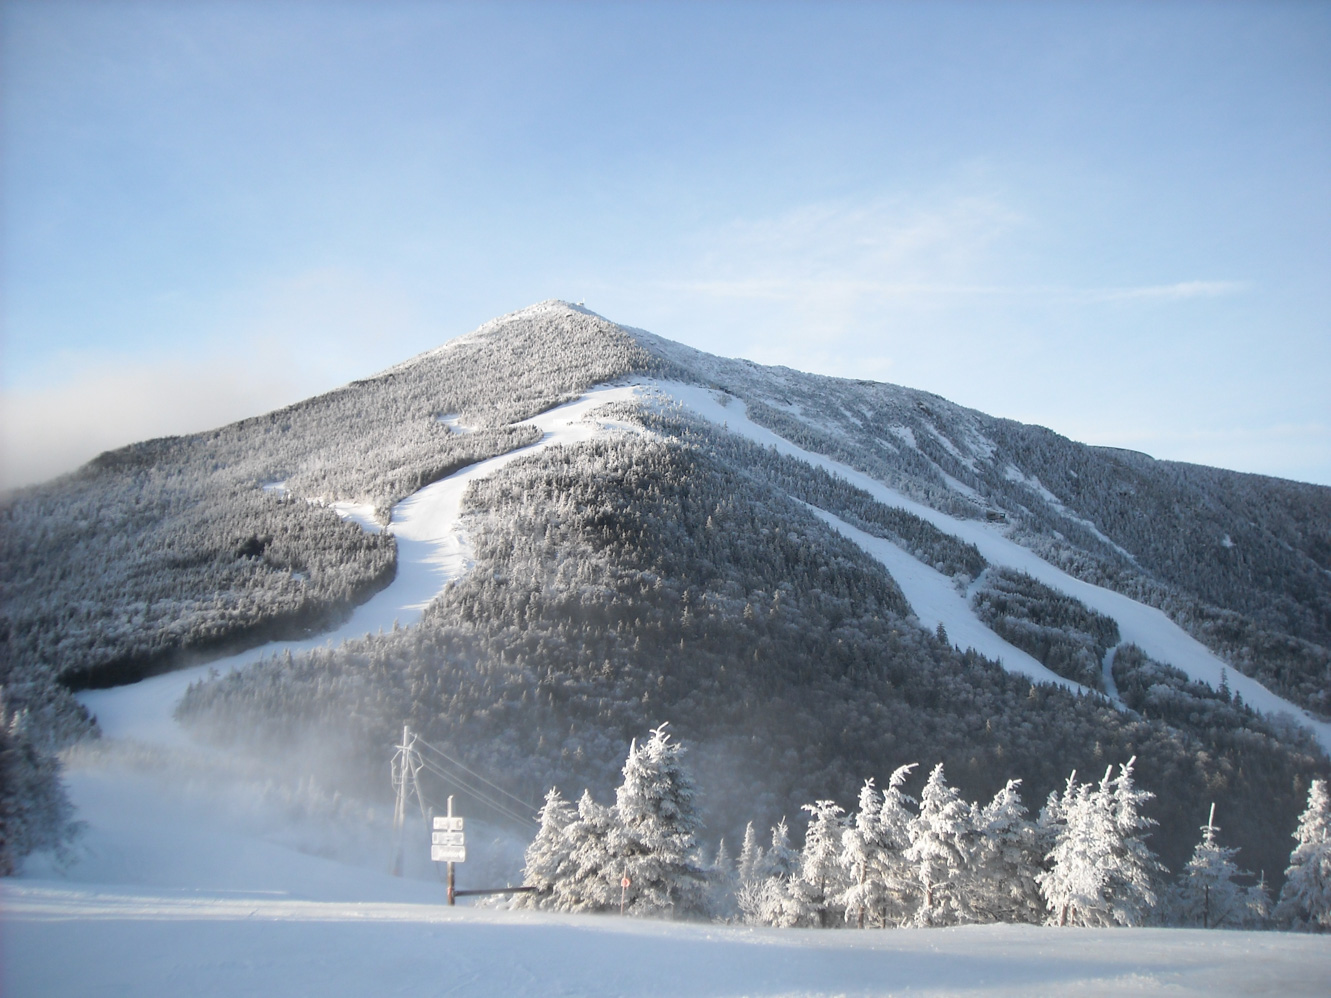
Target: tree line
{"type": "Point", "coordinates": [895, 860]}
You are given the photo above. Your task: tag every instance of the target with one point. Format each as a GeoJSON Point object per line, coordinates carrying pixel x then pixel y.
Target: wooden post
{"type": "Point", "coordinates": [452, 894]}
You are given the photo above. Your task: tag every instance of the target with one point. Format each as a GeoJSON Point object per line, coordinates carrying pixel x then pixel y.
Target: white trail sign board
{"type": "Point", "coordinates": [448, 841]}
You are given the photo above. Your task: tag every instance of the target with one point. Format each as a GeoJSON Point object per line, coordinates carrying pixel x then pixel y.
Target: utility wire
{"type": "Point", "coordinates": [476, 792]}
{"type": "Point", "coordinates": [480, 795]}
{"type": "Point", "coordinates": [494, 786]}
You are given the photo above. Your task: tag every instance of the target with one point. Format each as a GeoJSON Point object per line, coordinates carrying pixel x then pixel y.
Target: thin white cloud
{"type": "Point", "coordinates": [51, 430]}
{"type": "Point", "coordinates": [788, 289]}
{"type": "Point", "coordinates": [287, 341]}
{"type": "Point", "coordinates": [1182, 290]}
{"type": "Point", "coordinates": [928, 251]}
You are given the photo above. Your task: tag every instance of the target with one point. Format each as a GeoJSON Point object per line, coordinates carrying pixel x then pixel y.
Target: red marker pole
{"type": "Point", "coordinates": [623, 890]}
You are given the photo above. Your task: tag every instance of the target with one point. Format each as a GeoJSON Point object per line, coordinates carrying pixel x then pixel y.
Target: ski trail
{"type": "Point", "coordinates": [1145, 626]}
{"type": "Point", "coordinates": [432, 551]}
{"type": "Point", "coordinates": [935, 600]}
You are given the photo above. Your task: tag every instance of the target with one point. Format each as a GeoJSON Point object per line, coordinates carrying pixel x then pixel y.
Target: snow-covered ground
{"type": "Point", "coordinates": [120, 941]}
{"type": "Point", "coordinates": [199, 876]}
{"type": "Point", "coordinates": [1142, 625]}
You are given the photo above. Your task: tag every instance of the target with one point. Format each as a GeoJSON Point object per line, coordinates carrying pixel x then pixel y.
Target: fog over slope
{"type": "Point", "coordinates": [669, 569]}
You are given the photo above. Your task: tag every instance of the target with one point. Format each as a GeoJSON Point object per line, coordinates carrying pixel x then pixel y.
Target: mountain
{"type": "Point", "coordinates": [813, 580]}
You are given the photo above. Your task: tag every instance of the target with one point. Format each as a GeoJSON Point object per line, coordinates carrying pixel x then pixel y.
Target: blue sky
{"type": "Point", "coordinates": [1113, 219]}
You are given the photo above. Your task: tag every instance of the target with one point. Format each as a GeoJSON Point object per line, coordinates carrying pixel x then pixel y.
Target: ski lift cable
{"type": "Point", "coordinates": [479, 794]}
{"type": "Point", "coordinates": [472, 772]}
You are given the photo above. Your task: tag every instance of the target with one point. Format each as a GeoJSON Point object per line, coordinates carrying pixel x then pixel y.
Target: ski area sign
{"type": "Point", "coordinates": [448, 841]}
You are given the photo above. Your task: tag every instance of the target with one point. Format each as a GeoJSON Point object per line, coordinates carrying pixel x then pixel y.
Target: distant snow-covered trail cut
{"type": "Point", "coordinates": [932, 599]}
{"type": "Point", "coordinates": [432, 551]}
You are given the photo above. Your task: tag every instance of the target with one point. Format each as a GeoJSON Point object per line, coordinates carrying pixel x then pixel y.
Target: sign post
{"type": "Point", "coordinates": [623, 890]}
{"type": "Point", "coordinates": [448, 844]}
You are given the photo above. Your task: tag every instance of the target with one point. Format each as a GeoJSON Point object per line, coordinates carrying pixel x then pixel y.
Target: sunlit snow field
{"type": "Point", "coordinates": [196, 877]}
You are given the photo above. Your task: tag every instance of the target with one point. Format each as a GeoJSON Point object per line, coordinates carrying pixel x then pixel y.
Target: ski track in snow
{"type": "Point", "coordinates": [1145, 626]}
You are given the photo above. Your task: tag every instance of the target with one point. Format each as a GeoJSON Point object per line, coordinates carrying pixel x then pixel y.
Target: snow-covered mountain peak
{"type": "Point", "coordinates": [817, 579]}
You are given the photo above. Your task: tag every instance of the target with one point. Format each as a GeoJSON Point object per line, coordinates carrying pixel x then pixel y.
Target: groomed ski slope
{"type": "Point", "coordinates": [934, 601]}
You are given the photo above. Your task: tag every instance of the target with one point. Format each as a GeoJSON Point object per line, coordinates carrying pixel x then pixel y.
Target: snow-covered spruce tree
{"type": "Point", "coordinates": [1135, 867]}
{"type": "Point", "coordinates": [1207, 895]}
{"type": "Point", "coordinates": [770, 897]}
{"type": "Point", "coordinates": [1100, 868]}
{"type": "Point", "coordinates": [35, 813]}
{"type": "Point", "coordinates": [722, 883]}
{"type": "Point", "coordinates": [882, 883]}
{"type": "Point", "coordinates": [783, 860]}
{"type": "Point", "coordinates": [941, 840]}
{"type": "Point", "coordinates": [823, 877]}
{"type": "Point", "coordinates": [1006, 861]}
{"type": "Point", "coordinates": [548, 857]}
{"type": "Point", "coordinates": [1305, 900]}
{"type": "Point", "coordinates": [862, 844]}
{"type": "Point", "coordinates": [902, 888]}
{"type": "Point", "coordinates": [1071, 886]}
{"type": "Point", "coordinates": [1257, 903]}
{"type": "Point", "coordinates": [751, 858]}
{"type": "Point", "coordinates": [590, 881]}
{"type": "Point", "coordinates": [653, 838]}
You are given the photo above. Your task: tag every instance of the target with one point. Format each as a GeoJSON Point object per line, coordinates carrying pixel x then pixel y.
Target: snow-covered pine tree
{"type": "Point", "coordinates": [1207, 895]}
{"type": "Point", "coordinates": [751, 858]}
{"type": "Point", "coordinates": [1006, 862]}
{"type": "Point", "coordinates": [901, 888]}
{"type": "Point", "coordinates": [862, 842]}
{"type": "Point", "coordinates": [1071, 885]}
{"type": "Point", "coordinates": [1134, 866]}
{"type": "Point", "coordinates": [770, 898]}
{"type": "Point", "coordinates": [822, 879]}
{"type": "Point", "coordinates": [1257, 903]}
{"type": "Point", "coordinates": [1305, 900]}
{"type": "Point", "coordinates": [722, 883]}
{"type": "Point", "coordinates": [1052, 820]}
{"type": "Point", "coordinates": [654, 835]}
{"type": "Point", "coordinates": [1100, 868]}
{"type": "Point", "coordinates": [940, 846]}
{"type": "Point", "coordinates": [882, 882]}
{"type": "Point", "coordinates": [35, 813]}
{"type": "Point", "coordinates": [548, 856]}
{"type": "Point", "coordinates": [782, 858]}
{"type": "Point", "coordinates": [592, 880]}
